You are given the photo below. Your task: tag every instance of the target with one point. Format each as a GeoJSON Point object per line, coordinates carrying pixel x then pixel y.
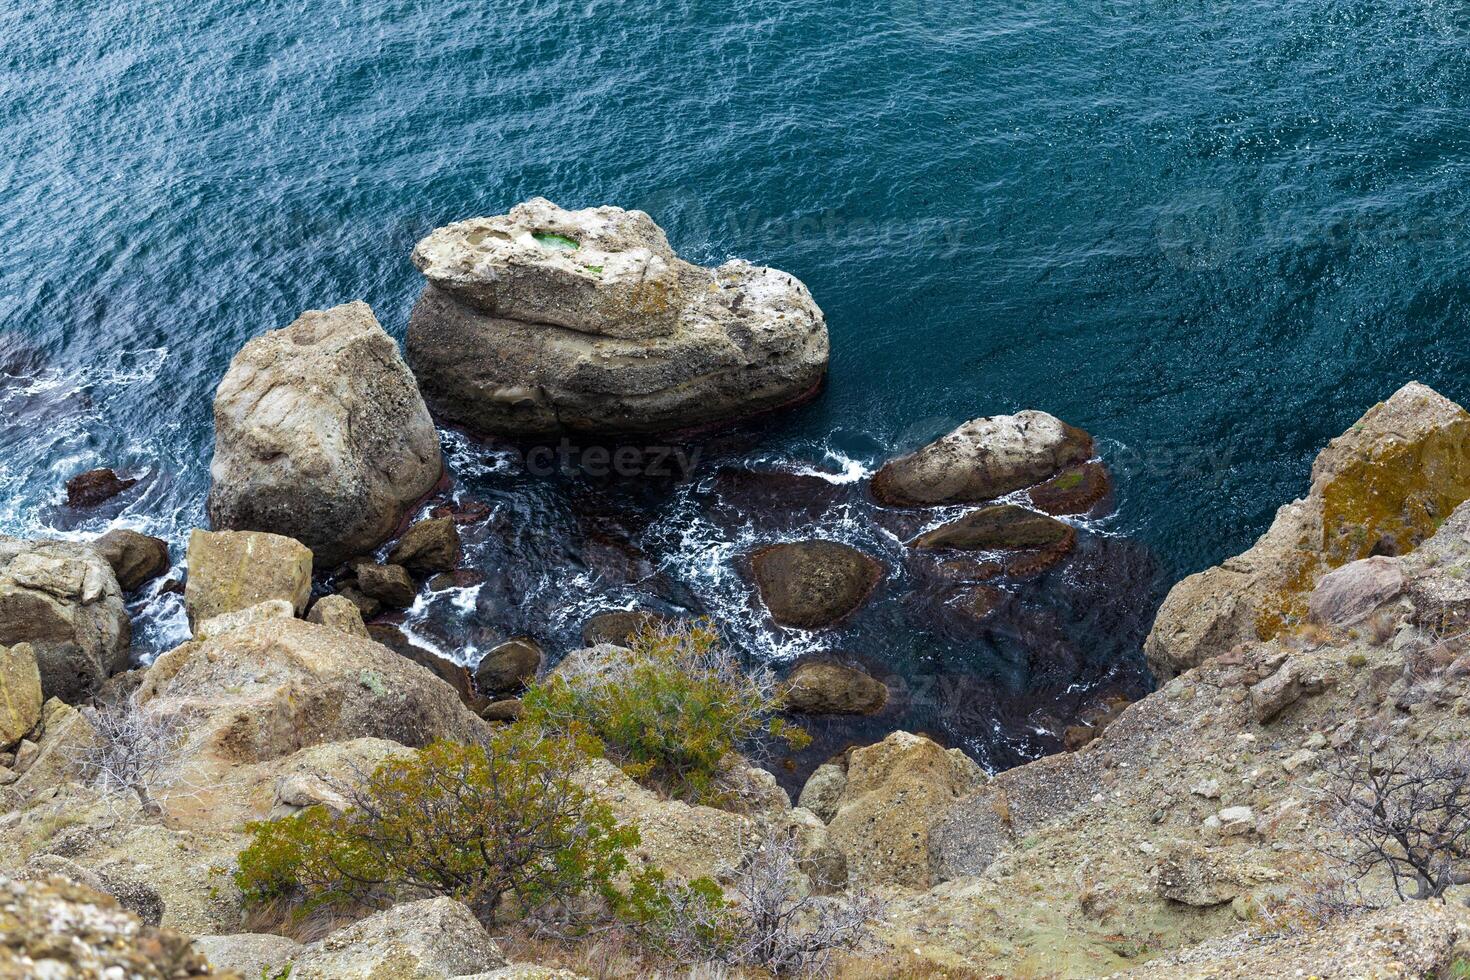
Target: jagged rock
{"type": "Point", "coordinates": [20, 693]}
{"type": "Point", "coordinates": [1279, 691]}
{"type": "Point", "coordinates": [820, 688]}
{"type": "Point", "coordinates": [823, 791]}
{"type": "Point", "coordinates": [66, 736]}
{"type": "Point", "coordinates": [1191, 875]}
{"type": "Point", "coordinates": [339, 613]}
{"type": "Point", "coordinates": [389, 585]}
{"type": "Point", "coordinates": [896, 790]}
{"type": "Point", "coordinates": [258, 613]}
{"type": "Point", "coordinates": [133, 893]}
{"type": "Point", "coordinates": [509, 667]}
{"type": "Point", "coordinates": [136, 559]}
{"type": "Point", "coordinates": [981, 460]}
{"type": "Point", "coordinates": [1075, 490]}
{"type": "Point", "coordinates": [57, 928]}
{"type": "Point", "coordinates": [63, 599]}
{"type": "Point", "coordinates": [813, 584]}
{"type": "Point", "coordinates": [1003, 526]}
{"type": "Point", "coordinates": [321, 436]}
{"type": "Point", "coordinates": [547, 320]}
{"type": "Point", "coordinates": [257, 695]}
{"type": "Point", "coordinates": [425, 940]}
{"type": "Point", "coordinates": [1381, 488]}
{"type": "Point", "coordinates": [427, 547]}
{"type": "Point", "coordinates": [1349, 594]}
{"type": "Point", "coordinates": [233, 570]}
{"type": "Point", "coordinates": [95, 487]}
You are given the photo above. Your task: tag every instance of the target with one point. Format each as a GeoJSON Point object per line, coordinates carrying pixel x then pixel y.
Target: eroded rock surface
{"type": "Point", "coordinates": [321, 435]}
{"type": "Point", "coordinates": [546, 320]}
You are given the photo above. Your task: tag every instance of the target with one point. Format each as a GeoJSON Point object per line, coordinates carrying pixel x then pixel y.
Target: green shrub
{"type": "Point", "coordinates": [474, 823]}
{"type": "Point", "coordinates": [669, 710]}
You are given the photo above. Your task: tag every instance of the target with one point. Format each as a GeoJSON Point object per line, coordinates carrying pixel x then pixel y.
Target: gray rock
{"type": "Point", "coordinates": [251, 955]}
{"type": "Point", "coordinates": [64, 600]}
{"type": "Point", "coordinates": [240, 618]}
{"type": "Point", "coordinates": [1349, 594]}
{"type": "Point", "coordinates": [321, 436]}
{"type": "Point", "coordinates": [981, 460]}
{"type": "Point", "coordinates": [546, 320]}
{"type": "Point", "coordinates": [433, 938]}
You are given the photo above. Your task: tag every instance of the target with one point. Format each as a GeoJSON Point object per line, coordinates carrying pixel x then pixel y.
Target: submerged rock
{"type": "Point", "coordinates": [546, 320]}
{"type": "Point", "coordinates": [233, 570]}
{"type": "Point", "coordinates": [64, 600]}
{"type": "Point", "coordinates": [321, 435]}
{"type": "Point", "coordinates": [812, 584]}
{"type": "Point", "coordinates": [1381, 488]}
{"type": "Point", "coordinates": [136, 559]}
{"type": "Point", "coordinates": [96, 486]}
{"type": "Point", "coordinates": [1075, 490]}
{"type": "Point", "coordinates": [821, 688]}
{"type": "Point", "coordinates": [1003, 526]}
{"type": "Point", "coordinates": [981, 460]}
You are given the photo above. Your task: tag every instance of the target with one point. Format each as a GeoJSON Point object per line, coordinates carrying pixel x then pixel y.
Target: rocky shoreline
{"type": "Point", "coordinates": [1172, 832]}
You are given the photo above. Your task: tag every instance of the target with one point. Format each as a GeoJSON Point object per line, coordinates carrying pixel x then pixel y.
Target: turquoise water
{"type": "Point", "coordinates": [1211, 233]}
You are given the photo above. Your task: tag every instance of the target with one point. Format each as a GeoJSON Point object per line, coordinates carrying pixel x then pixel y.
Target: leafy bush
{"type": "Point", "coordinates": [669, 710]}
{"type": "Point", "coordinates": [474, 823]}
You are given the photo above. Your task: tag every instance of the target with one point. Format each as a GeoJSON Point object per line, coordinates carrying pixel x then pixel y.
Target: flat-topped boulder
{"type": "Point", "coordinates": [1001, 526]}
{"type": "Point", "coordinates": [983, 459]}
{"type": "Point", "coordinates": [321, 435]}
{"type": "Point", "coordinates": [64, 600]}
{"type": "Point", "coordinates": [234, 570]}
{"type": "Point", "coordinates": [546, 321]}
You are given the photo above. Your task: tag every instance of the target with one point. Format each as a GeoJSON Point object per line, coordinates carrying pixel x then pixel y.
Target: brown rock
{"type": "Point", "coordinates": [821, 688]}
{"type": "Point", "coordinates": [136, 559]}
{"type": "Point", "coordinates": [448, 671]}
{"type": "Point", "coordinates": [506, 710]}
{"type": "Point", "coordinates": [388, 584]}
{"type": "Point", "coordinates": [1075, 490]}
{"type": "Point", "coordinates": [20, 693]}
{"type": "Point", "coordinates": [232, 570]}
{"type": "Point", "coordinates": [94, 487]}
{"type": "Point", "coordinates": [427, 547]}
{"type": "Point", "coordinates": [340, 613]}
{"type": "Point", "coordinates": [619, 626]}
{"type": "Point", "coordinates": [509, 667]}
{"type": "Point", "coordinates": [813, 584]}
{"type": "Point", "coordinates": [1003, 526]}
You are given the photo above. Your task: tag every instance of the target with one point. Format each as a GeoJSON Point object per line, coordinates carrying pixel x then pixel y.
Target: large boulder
{"type": "Point", "coordinates": [257, 696]}
{"type": "Point", "coordinates": [57, 928]}
{"type": "Point", "coordinates": [321, 435]}
{"type": "Point", "coordinates": [896, 791]}
{"type": "Point", "coordinates": [813, 584]}
{"type": "Point", "coordinates": [1380, 488]}
{"type": "Point", "coordinates": [510, 666]}
{"type": "Point", "coordinates": [981, 460]}
{"type": "Point", "coordinates": [545, 320]}
{"type": "Point", "coordinates": [20, 693]}
{"type": "Point", "coordinates": [64, 600]}
{"type": "Point", "coordinates": [1349, 594]}
{"type": "Point", "coordinates": [234, 570]}
{"type": "Point", "coordinates": [136, 559]}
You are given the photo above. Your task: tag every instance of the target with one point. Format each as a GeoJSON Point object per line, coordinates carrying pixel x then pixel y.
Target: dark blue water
{"type": "Point", "coordinates": [1211, 233]}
